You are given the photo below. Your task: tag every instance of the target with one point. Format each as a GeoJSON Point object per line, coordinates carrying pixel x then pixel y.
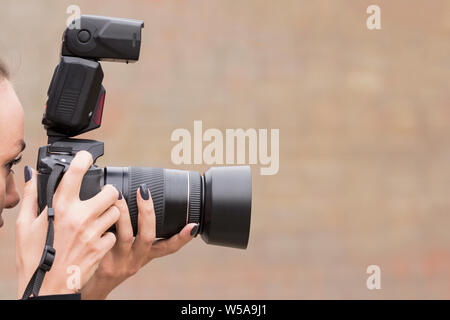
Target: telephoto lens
{"type": "Point", "coordinates": [219, 201]}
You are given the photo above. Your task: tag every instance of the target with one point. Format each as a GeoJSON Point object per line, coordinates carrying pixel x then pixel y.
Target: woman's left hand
{"type": "Point", "coordinates": [129, 255]}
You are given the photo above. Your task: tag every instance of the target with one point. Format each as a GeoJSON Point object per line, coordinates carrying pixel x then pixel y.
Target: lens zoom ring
{"type": "Point", "coordinates": [194, 197]}
{"type": "Point", "coordinates": [154, 178]}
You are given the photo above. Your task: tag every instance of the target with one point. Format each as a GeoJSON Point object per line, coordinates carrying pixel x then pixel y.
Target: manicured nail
{"type": "Point", "coordinates": [120, 193]}
{"type": "Point", "coordinates": [27, 173]}
{"type": "Point", "coordinates": [194, 231]}
{"type": "Point", "coordinates": [144, 191]}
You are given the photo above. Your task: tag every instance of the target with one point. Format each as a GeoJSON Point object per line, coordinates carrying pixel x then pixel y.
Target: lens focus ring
{"type": "Point", "coordinates": [195, 201]}
{"type": "Point", "coordinates": [154, 178]}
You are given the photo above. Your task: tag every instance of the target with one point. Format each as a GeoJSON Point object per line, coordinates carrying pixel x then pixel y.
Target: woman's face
{"type": "Point", "coordinates": [11, 144]}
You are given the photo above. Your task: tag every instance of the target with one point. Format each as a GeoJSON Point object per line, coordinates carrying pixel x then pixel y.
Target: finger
{"type": "Point", "coordinates": [105, 244]}
{"type": "Point", "coordinates": [69, 187]}
{"type": "Point", "coordinates": [102, 200]}
{"type": "Point", "coordinates": [162, 248]}
{"type": "Point", "coordinates": [146, 221]}
{"type": "Point", "coordinates": [124, 230]}
{"type": "Point", "coordinates": [100, 225]}
{"type": "Point", "coordinates": [29, 209]}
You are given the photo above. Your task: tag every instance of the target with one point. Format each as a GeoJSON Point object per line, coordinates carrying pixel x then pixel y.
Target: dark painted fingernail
{"type": "Point", "coordinates": [120, 193]}
{"type": "Point", "coordinates": [144, 191]}
{"type": "Point", "coordinates": [27, 173]}
{"type": "Point", "coordinates": [194, 231]}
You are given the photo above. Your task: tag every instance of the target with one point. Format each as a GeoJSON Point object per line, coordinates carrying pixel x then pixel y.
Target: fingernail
{"type": "Point", "coordinates": [194, 231]}
{"type": "Point", "coordinates": [27, 173]}
{"type": "Point", "coordinates": [120, 193]}
{"type": "Point", "coordinates": [144, 191]}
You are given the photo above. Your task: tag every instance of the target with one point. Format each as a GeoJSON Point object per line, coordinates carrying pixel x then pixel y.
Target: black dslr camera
{"type": "Point", "coordinates": [219, 200]}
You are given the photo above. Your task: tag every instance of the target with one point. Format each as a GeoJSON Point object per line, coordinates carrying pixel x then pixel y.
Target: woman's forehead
{"type": "Point", "coordinates": [11, 120]}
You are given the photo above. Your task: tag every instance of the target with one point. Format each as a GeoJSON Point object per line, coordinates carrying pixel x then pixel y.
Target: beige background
{"type": "Point", "coordinates": [364, 119]}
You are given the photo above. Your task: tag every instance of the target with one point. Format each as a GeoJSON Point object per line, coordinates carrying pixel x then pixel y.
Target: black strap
{"type": "Point", "coordinates": [48, 256]}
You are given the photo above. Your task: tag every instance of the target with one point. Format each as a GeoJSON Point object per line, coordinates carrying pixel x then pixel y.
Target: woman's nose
{"type": "Point", "coordinates": [12, 195]}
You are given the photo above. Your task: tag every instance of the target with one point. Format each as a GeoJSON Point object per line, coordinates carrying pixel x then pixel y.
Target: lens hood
{"type": "Point", "coordinates": [227, 206]}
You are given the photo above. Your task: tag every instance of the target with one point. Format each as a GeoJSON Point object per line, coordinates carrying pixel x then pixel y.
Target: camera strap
{"type": "Point", "coordinates": [48, 256]}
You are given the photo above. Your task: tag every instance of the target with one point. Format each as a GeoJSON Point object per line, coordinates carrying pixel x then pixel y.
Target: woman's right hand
{"type": "Point", "coordinates": [81, 237]}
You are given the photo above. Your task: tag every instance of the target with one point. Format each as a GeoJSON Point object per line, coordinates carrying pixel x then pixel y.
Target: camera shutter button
{"type": "Point", "coordinates": [84, 36]}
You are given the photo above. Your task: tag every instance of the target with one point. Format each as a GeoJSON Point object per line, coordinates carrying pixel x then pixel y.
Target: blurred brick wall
{"type": "Point", "coordinates": [364, 124]}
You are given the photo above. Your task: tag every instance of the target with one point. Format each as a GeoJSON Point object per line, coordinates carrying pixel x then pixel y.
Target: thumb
{"type": "Point", "coordinates": [29, 208]}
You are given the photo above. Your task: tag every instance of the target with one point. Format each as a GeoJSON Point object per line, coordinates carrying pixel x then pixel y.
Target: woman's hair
{"type": "Point", "coordinates": [4, 73]}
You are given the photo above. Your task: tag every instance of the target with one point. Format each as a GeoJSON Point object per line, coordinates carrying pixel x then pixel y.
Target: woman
{"type": "Point", "coordinates": [101, 260]}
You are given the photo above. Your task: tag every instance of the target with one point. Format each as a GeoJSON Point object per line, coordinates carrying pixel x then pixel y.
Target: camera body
{"type": "Point", "coordinates": [76, 95]}
{"type": "Point", "coordinates": [219, 201]}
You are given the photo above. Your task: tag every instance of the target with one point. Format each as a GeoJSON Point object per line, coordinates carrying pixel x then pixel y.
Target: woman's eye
{"type": "Point", "coordinates": [12, 163]}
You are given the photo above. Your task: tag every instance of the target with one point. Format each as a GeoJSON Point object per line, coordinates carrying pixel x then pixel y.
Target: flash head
{"type": "Point", "coordinates": [103, 38]}
{"type": "Point", "coordinates": [76, 95]}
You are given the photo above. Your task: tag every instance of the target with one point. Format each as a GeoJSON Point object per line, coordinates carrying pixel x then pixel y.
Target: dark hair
{"type": "Point", "coordinates": [4, 73]}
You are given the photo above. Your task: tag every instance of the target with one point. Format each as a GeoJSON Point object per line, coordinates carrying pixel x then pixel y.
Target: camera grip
{"type": "Point", "coordinates": [90, 186]}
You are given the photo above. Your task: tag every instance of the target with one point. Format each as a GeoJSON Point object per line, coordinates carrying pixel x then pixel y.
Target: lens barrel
{"type": "Point", "coordinates": [219, 201]}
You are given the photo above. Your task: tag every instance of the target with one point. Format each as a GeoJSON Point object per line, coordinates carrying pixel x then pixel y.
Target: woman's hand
{"type": "Point", "coordinates": [128, 255]}
{"type": "Point", "coordinates": [81, 240]}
